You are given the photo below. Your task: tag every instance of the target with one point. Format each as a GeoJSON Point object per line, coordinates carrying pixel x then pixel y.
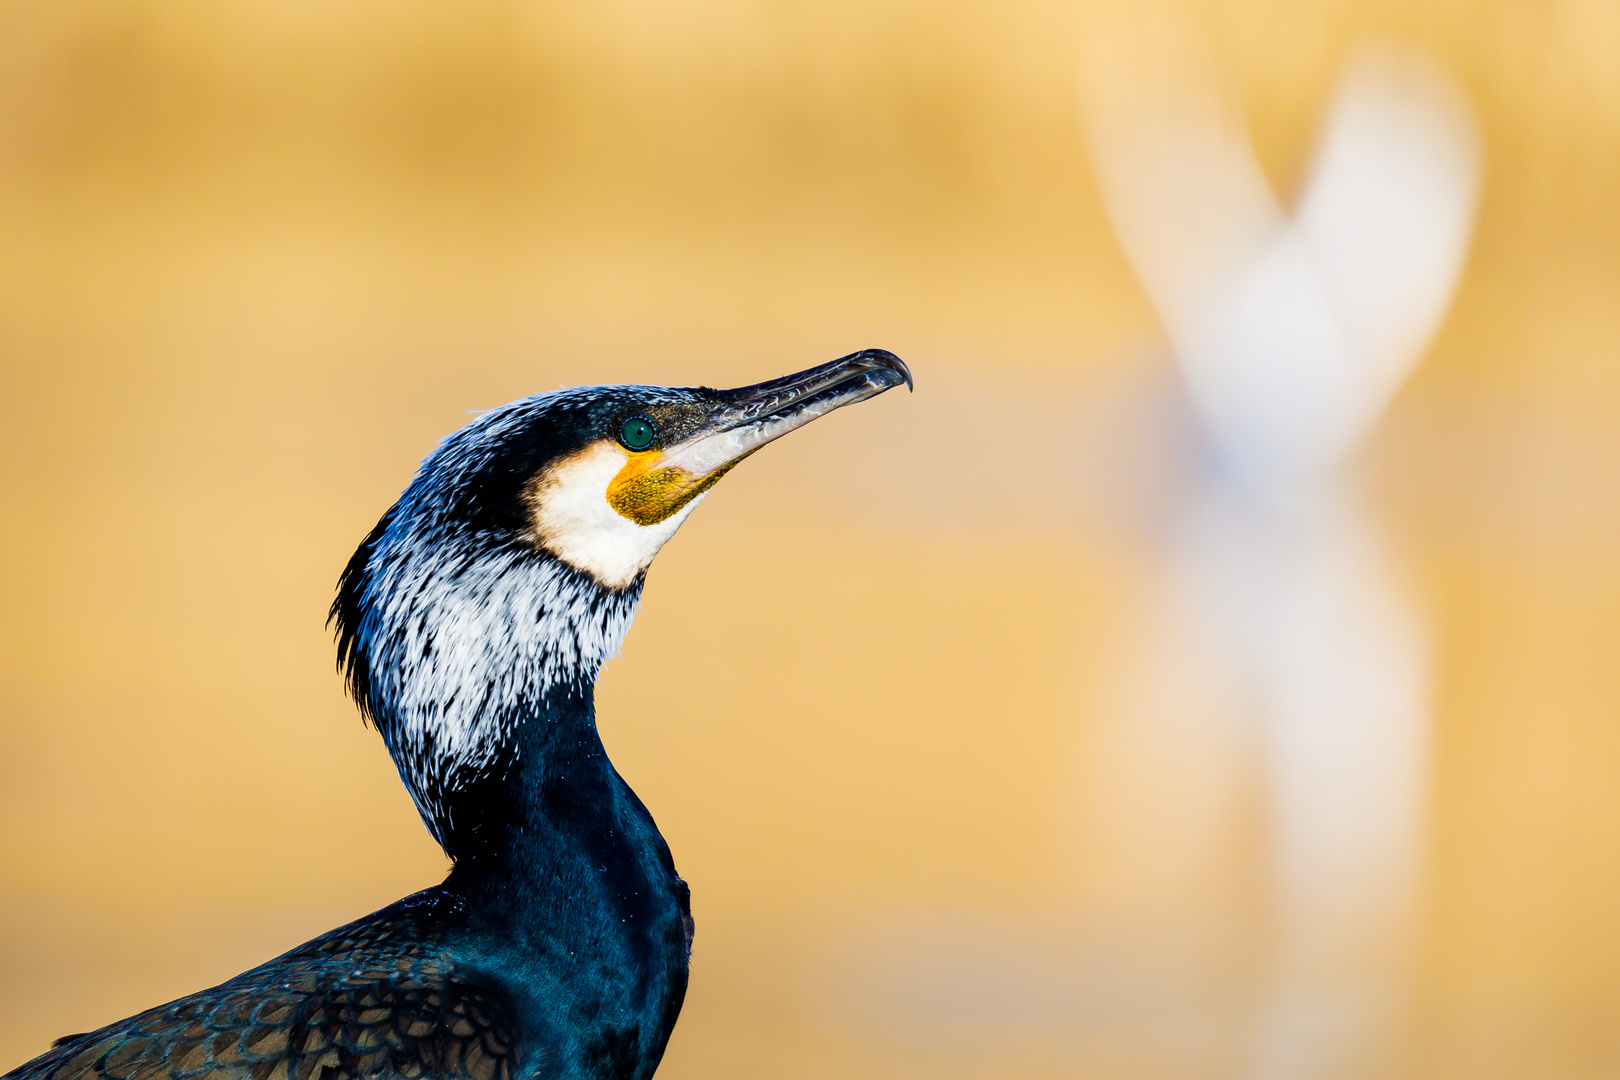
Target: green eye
{"type": "Point", "coordinates": [638, 433]}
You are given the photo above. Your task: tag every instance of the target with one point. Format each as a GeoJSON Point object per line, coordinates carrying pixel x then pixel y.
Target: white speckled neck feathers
{"type": "Point", "coordinates": [461, 649]}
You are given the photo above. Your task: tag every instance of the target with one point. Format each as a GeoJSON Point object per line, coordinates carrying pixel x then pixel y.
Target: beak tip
{"type": "Point", "coordinates": [885, 359]}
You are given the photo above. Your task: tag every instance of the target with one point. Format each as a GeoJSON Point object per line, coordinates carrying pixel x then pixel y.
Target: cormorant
{"type": "Point", "coordinates": [471, 624]}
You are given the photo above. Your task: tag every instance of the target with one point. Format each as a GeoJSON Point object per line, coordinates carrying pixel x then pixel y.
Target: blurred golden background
{"type": "Point", "coordinates": [259, 257]}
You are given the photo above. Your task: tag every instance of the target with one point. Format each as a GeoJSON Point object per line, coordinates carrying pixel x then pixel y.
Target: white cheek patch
{"type": "Point", "coordinates": [573, 520]}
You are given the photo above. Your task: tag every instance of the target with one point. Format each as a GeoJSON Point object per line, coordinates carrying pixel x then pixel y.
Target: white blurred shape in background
{"type": "Point", "coordinates": [1283, 631]}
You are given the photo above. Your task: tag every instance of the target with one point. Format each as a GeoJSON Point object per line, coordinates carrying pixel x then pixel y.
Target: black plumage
{"type": "Point", "coordinates": [472, 623]}
{"type": "Point", "coordinates": [380, 997]}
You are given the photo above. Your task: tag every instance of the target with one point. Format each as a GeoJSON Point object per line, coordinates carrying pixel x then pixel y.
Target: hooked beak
{"type": "Point", "coordinates": [751, 416]}
{"type": "Point", "coordinates": [746, 419]}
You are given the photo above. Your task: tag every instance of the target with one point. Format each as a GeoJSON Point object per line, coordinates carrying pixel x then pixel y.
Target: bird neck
{"type": "Point", "coordinates": [557, 820]}
{"type": "Point", "coordinates": [452, 647]}
{"type": "Point", "coordinates": [564, 873]}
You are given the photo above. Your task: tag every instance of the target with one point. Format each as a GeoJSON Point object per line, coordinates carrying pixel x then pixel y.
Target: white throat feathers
{"type": "Point", "coordinates": [574, 520]}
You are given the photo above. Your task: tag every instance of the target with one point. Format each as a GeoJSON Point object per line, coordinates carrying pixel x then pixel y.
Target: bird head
{"type": "Point", "coordinates": [510, 568]}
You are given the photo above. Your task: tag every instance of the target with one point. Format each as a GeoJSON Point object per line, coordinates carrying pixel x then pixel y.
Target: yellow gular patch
{"type": "Point", "coordinates": [577, 518]}
{"type": "Point", "coordinates": [647, 492]}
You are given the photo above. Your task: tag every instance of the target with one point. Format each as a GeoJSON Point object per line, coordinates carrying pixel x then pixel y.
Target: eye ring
{"type": "Point", "coordinates": [637, 433]}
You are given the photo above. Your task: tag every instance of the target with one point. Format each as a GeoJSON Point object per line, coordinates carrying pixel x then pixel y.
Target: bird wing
{"type": "Point", "coordinates": [376, 998]}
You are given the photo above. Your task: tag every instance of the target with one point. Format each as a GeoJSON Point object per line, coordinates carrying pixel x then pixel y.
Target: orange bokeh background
{"type": "Point", "coordinates": [258, 258]}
